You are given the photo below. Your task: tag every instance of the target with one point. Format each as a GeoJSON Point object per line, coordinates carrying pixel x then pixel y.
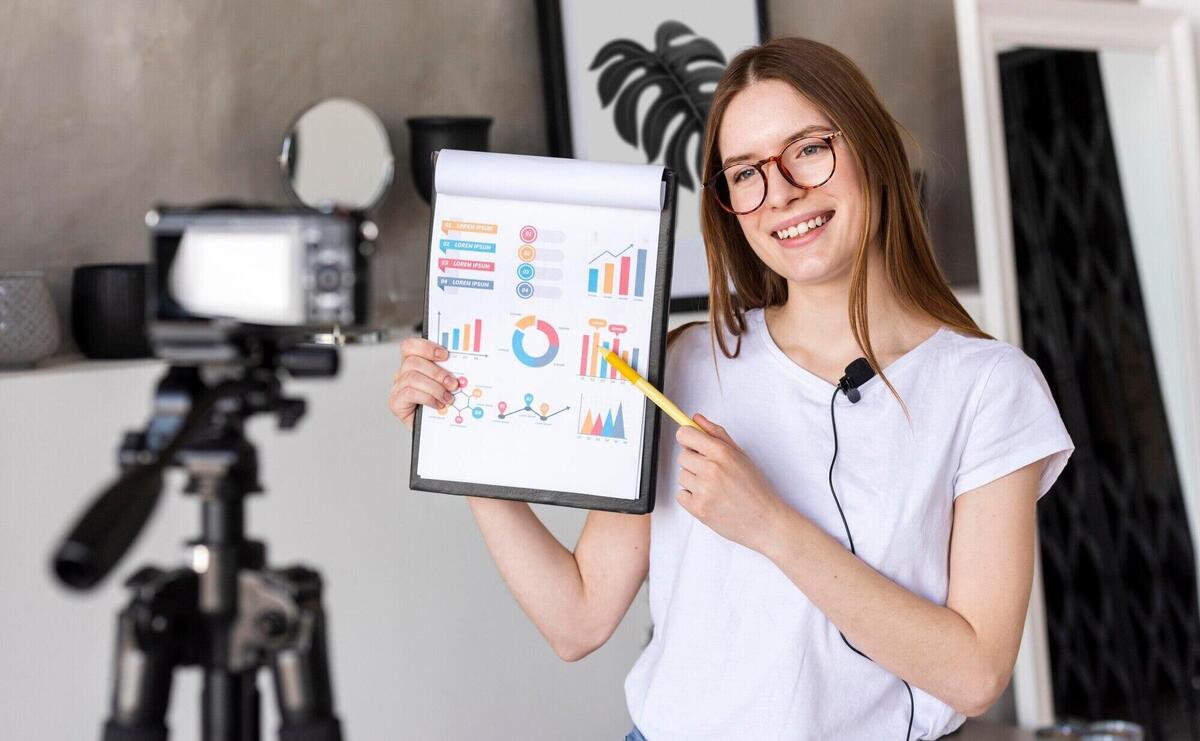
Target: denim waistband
{"type": "Point", "coordinates": [635, 735]}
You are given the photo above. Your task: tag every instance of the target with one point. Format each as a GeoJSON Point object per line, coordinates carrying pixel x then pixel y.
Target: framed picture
{"type": "Point", "coordinates": [631, 81]}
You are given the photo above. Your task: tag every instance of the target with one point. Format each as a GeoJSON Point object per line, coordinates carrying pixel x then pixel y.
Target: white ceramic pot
{"type": "Point", "coordinates": [29, 330]}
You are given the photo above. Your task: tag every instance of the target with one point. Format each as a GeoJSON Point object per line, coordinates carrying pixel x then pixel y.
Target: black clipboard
{"type": "Point", "coordinates": [656, 372]}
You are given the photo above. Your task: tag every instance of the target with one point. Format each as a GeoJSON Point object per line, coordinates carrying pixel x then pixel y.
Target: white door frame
{"type": "Point", "coordinates": [988, 27]}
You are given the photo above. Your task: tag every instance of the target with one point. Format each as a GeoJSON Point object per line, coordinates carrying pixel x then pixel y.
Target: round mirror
{"type": "Point", "coordinates": [337, 155]}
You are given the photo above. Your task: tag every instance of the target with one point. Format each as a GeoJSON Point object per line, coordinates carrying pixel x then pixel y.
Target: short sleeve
{"type": "Point", "coordinates": [1015, 423]}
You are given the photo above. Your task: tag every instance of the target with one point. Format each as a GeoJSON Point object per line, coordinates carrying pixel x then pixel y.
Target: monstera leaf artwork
{"type": "Point", "coordinates": [683, 72]}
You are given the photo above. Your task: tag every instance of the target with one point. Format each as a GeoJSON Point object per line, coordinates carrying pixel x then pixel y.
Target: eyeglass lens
{"type": "Point", "coordinates": [806, 163]}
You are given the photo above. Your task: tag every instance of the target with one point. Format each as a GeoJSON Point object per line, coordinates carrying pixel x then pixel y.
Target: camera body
{"type": "Point", "coordinates": [224, 280]}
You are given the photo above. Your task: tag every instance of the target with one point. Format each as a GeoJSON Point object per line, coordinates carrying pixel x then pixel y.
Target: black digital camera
{"type": "Point", "coordinates": [223, 279]}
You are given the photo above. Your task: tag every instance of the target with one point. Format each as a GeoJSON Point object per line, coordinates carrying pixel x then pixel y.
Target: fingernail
{"type": "Point", "coordinates": [443, 353]}
{"type": "Point", "coordinates": [449, 397]}
{"type": "Point", "coordinates": [449, 382]}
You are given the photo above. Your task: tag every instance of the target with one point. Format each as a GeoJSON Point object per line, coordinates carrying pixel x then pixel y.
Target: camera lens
{"type": "Point", "coordinates": [329, 279]}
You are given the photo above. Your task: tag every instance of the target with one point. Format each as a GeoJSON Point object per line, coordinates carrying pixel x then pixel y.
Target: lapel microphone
{"type": "Point", "coordinates": [857, 373]}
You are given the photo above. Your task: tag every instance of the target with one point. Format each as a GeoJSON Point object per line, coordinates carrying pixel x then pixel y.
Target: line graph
{"type": "Point", "coordinates": [613, 255]}
{"type": "Point", "coordinates": [542, 412]}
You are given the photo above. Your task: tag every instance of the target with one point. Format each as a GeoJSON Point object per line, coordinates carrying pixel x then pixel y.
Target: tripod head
{"type": "Point", "coordinates": [192, 413]}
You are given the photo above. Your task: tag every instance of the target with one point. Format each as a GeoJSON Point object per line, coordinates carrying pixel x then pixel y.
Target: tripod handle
{"type": "Point", "coordinates": [108, 528]}
{"type": "Point", "coordinates": [114, 520]}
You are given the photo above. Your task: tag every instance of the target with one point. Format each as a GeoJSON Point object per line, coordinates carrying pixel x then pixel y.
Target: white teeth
{"type": "Point", "coordinates": [801, 228]}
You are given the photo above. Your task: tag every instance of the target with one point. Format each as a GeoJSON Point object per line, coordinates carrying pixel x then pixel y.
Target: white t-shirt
{"type": "Point", "coordinates": [738, 651]}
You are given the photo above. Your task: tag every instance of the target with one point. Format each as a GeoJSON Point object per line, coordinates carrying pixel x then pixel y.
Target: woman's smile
{"type": "Point", "coordinates": [799, 231]}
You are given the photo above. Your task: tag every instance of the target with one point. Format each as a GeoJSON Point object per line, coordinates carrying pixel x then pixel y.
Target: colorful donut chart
{"type": "Point", "coordinates": [518, 341]}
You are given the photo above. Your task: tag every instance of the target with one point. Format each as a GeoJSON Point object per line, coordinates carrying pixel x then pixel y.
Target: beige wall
{"type": "Point", "coordinates": [106, 108]}
{"type": "Point", "coordinates": [907, 48]}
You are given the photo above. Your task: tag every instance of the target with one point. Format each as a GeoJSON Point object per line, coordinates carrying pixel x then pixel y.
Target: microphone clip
{"type": "Point", "coordinates": [847, 388]}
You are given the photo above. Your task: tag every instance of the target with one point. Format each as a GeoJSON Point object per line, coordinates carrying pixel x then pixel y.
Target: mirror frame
{"type": "Point", "coordinates": [286, 154]}
{"type": "Point", "coordinates": [987, 28]}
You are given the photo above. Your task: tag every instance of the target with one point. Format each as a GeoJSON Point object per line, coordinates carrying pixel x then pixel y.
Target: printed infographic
{"type": "Point", "coordinates": [525, 296]}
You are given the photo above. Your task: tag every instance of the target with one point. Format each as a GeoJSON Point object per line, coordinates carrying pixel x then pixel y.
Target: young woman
{"type": "Point", "coordinates": [776, 569]}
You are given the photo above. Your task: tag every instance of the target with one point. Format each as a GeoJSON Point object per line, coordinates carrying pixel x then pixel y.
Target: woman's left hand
{"type": "Point", "coordinates": [723, 488]}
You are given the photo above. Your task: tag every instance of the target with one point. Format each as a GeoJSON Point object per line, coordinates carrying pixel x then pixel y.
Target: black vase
{"type": "Point", "coordinates": [108, 310]}
{"type": "Point", "coordinates": [431, 133]}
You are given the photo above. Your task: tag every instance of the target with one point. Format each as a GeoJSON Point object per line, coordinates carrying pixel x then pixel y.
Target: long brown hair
{"type": "Point", "coordinates": [833, 83]}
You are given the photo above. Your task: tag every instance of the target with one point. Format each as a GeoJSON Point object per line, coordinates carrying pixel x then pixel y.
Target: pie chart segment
{"type": "Point", "coordinates": [525, 326]}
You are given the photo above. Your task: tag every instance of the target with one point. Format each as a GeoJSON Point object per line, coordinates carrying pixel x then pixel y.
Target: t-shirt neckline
{"type": "Point", "coordinates": [818, 384]}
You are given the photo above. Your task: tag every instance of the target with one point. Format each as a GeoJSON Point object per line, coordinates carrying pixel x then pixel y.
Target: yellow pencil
{"type": "Point", "coordinates": [644, 386]}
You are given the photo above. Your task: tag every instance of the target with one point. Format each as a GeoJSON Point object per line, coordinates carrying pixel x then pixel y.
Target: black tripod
{"type": "Point", "coordinates": [225, 612]}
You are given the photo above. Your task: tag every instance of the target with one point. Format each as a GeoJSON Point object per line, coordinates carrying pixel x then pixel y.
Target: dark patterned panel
{"type": "Point", "coordinates": [1117, 555]}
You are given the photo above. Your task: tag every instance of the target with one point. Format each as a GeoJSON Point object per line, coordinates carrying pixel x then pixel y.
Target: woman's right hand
{"type": "Point", "coordinates": [420, 379]}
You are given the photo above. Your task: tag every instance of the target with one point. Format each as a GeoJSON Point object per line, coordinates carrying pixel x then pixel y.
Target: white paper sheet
{"type": "Point", "coordinates": [536, 262]}
{"type": "Point", "coordinates": [549, 180]}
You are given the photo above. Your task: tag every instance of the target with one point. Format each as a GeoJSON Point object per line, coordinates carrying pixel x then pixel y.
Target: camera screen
{"type": "Point", "coordinates": [251, 276]}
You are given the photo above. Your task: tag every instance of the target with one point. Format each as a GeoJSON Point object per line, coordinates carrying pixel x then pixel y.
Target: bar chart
{"type": "Point", "coordinates": [605, 336]}
{"type": "Point", "coordinates": [618, 274]}
{"type": "Point", "coordinates": [461, 338]}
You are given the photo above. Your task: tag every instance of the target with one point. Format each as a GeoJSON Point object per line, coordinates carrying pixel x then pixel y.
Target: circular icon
{"type": "Point", "coordinates": [528, 399]}
{"type": "Point", "coordinates": [524, 290]}
{"type": "Point", "coordinates": [518, 341]}
{"type": "Point", "coordinates": [462, 380]}
{"type": "Point", "coordinates": [502, 406]}
{"type": "Point", "coordinates": [477, 412]}
{"type": "Point", "coordinates": [477, 393]}
{"type": "Point", "coordinates": [526, 252]}
{"type": "Point", "coordinates": [524, 271]}
{"type": "Point", "coordinates": [458, 419]}
{"type": "Point", "coordinates": [528, 234]}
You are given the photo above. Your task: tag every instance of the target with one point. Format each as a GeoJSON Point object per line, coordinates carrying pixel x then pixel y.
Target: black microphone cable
{"type": "Point", "coordinates": [845, 385]}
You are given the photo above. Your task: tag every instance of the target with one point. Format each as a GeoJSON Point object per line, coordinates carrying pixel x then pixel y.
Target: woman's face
{"type": "Point", "coordinates": [759, 122]}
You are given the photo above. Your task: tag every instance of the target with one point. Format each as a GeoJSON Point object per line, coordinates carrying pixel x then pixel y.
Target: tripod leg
{"type": "Point", "coordinates": [301, 670]}
{"type": "Point", "coordinates": [230, 704]}
{"type": "Point", "coordinates": [141, 686]}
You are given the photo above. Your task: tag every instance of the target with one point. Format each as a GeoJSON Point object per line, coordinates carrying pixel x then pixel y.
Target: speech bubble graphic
{"type": "Point", "coordinates": [445, 281]}
{"type": "Point", "coordinates": [475, 227]}
{"type": "Point", "coordinates": [445, 263]}
{"type": "Point", "coordinates": [465, 246]}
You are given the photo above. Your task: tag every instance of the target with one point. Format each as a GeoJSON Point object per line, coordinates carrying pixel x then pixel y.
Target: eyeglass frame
{"type": "Point", "coordinates": [827, 138]}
